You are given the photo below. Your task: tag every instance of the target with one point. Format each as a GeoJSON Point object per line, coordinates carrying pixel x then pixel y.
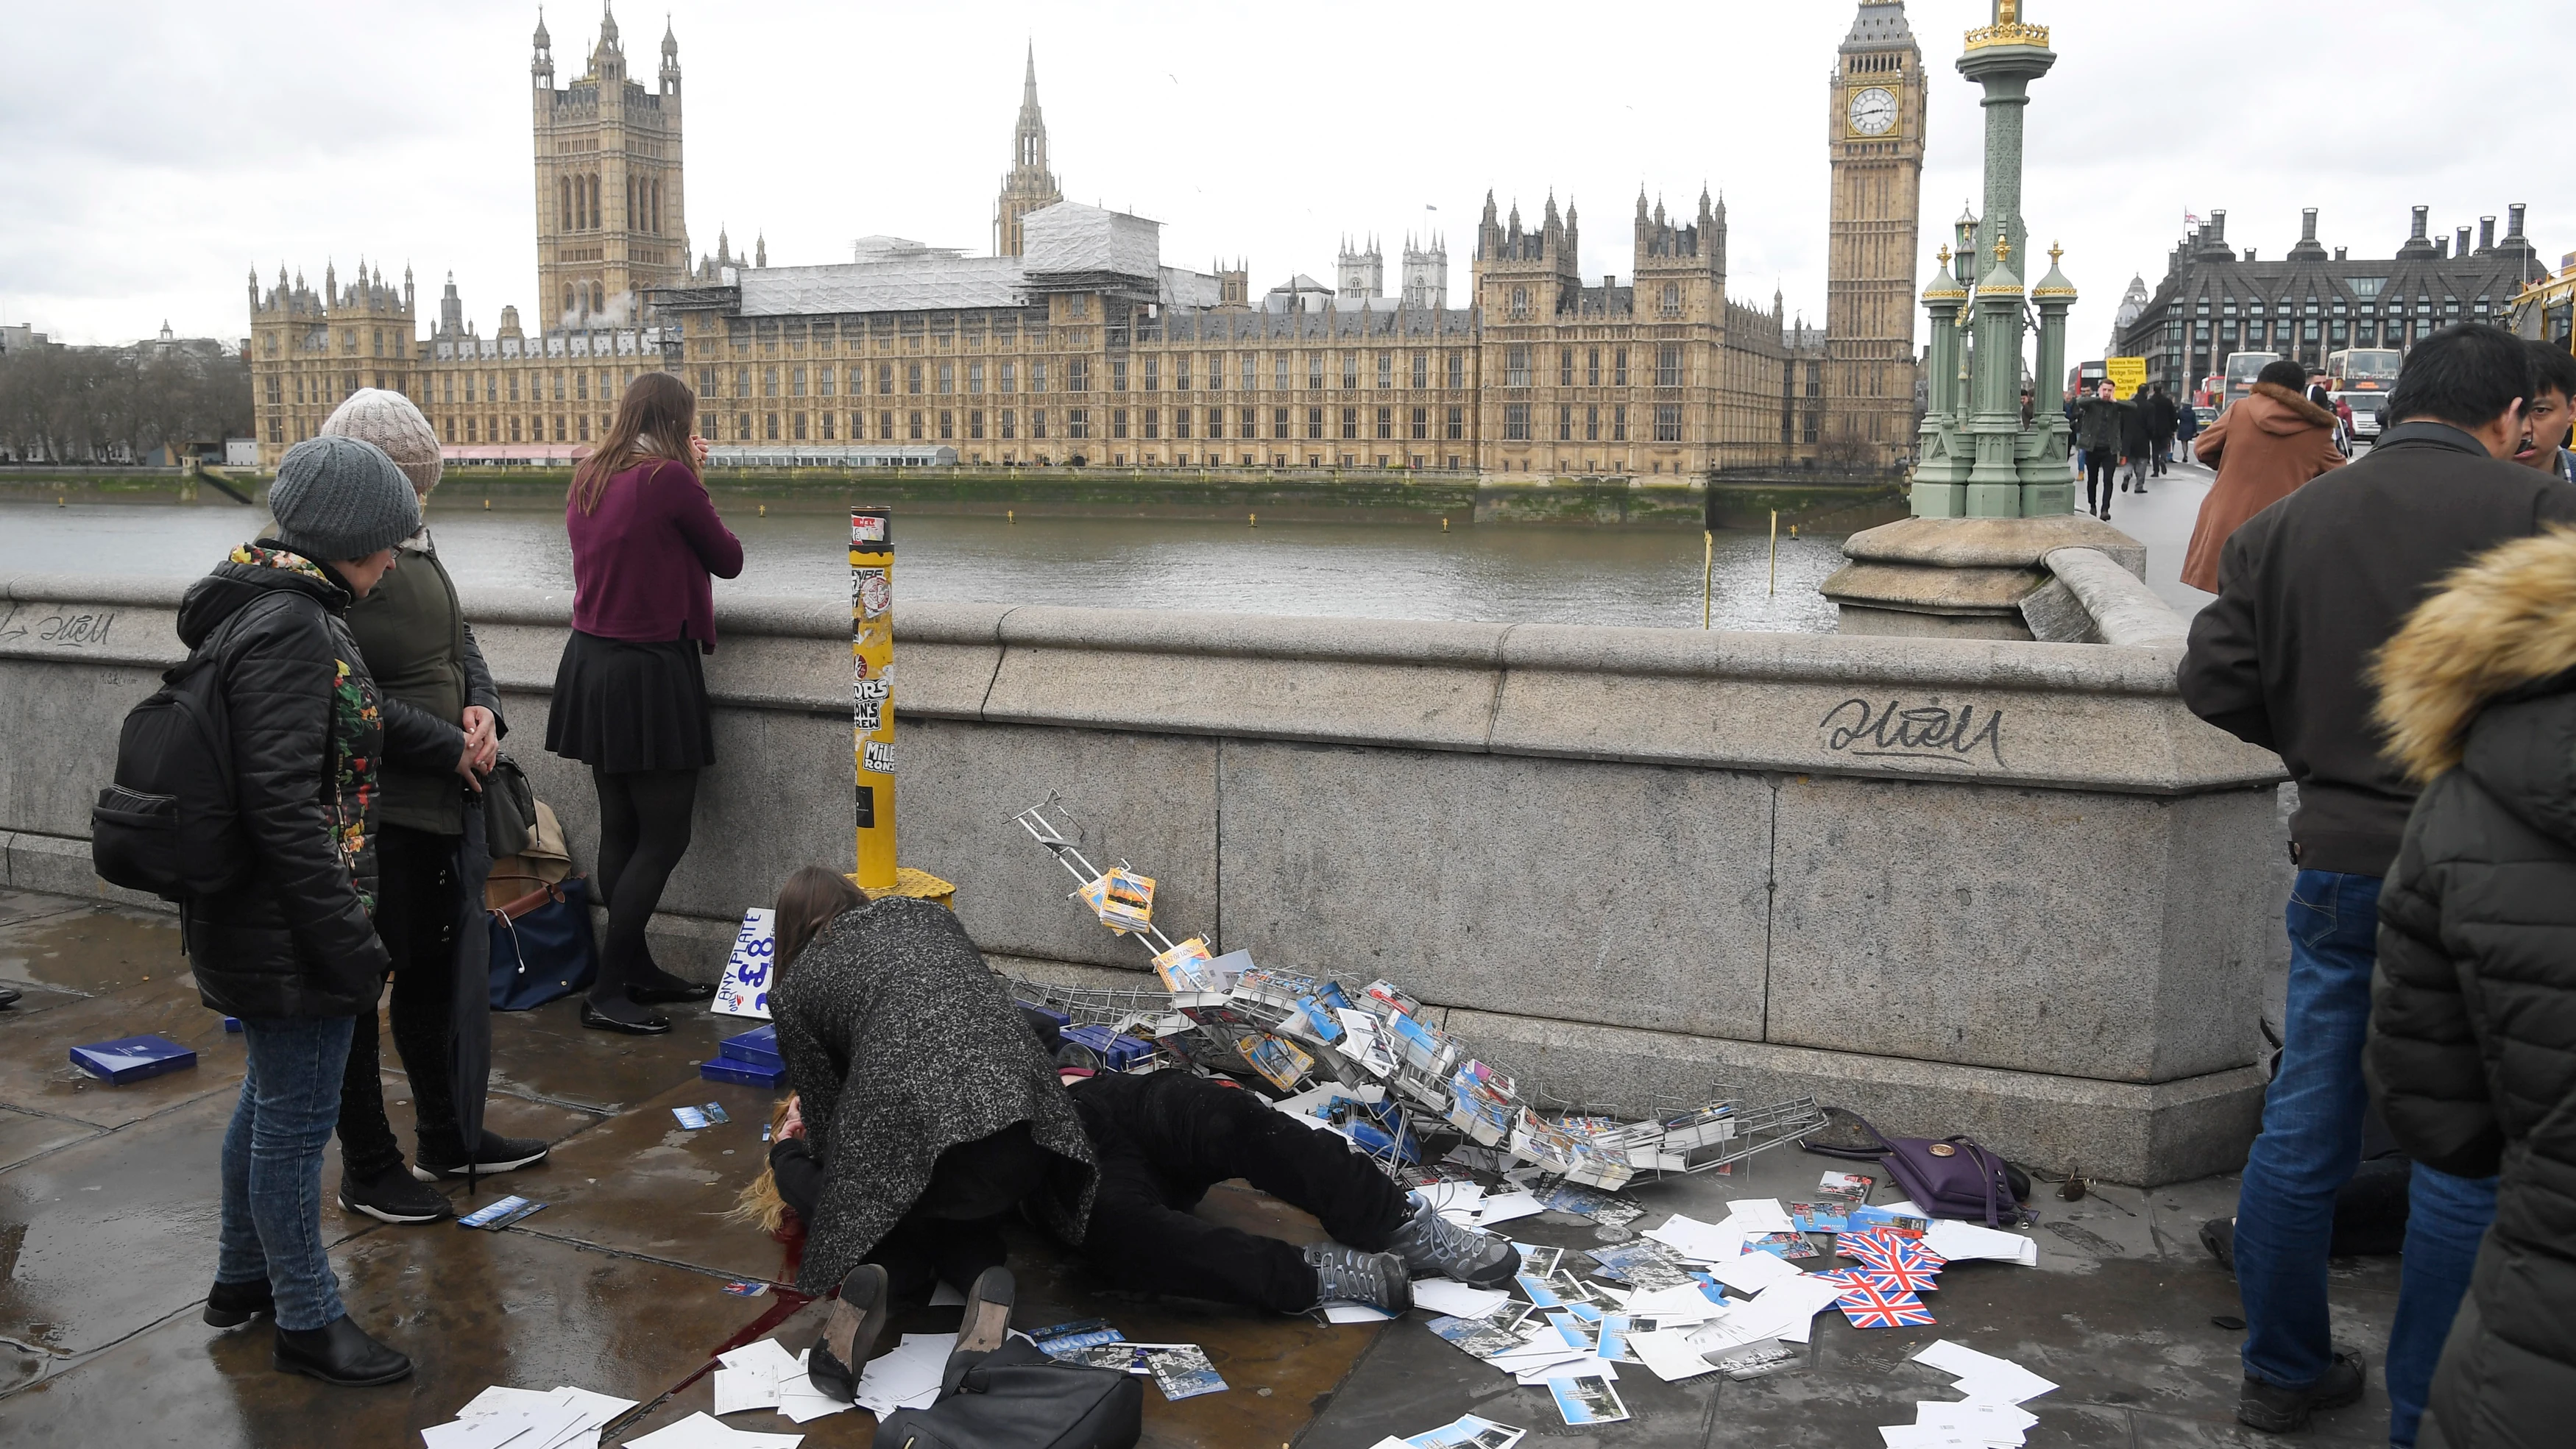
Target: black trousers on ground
{"type": "Point", "coordinates": [643, 832]}
{"type": "Point", "coordinates": [2101, 480]}
{"type": "Point", "coordinates": [2163, 454]}
{"type": "Point", "coordinates": [1165, 1139]}
{"type": "Point", "coordinates": [953, 1231]}
{"type": "Point", "coordinates": [416, 913]}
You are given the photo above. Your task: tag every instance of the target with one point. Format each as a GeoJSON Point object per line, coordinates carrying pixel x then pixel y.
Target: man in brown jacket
{"type": "Point", "coordinates": [2279, 441]}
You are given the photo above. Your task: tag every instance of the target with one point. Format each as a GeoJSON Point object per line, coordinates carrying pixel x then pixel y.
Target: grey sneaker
{"type": "Point", "coordinates": [1434, 1247]}
{"type": "Point", "coordinates": [2276, 1410]}
{"type": "Point", "coordinates": [1347, 1275]}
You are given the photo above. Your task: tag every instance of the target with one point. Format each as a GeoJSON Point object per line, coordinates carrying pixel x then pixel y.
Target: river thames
{"type": "Point", "coordinates": [1508, 574]}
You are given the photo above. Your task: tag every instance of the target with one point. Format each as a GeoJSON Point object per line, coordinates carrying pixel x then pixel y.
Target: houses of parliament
{"type": "Point", "coordinates": [1073, 343]}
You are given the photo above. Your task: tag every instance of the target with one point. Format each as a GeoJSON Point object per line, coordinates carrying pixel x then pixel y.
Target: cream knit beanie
{"type": "Point", "coordinates": [388, 420]}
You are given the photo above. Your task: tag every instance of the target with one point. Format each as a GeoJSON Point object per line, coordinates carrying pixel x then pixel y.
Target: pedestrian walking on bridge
{"type": "Point", "coordinates": [2268, 445]}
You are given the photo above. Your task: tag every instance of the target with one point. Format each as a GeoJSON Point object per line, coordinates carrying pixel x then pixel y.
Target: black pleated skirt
{"type": "Point", "coordinates": [622, 706]}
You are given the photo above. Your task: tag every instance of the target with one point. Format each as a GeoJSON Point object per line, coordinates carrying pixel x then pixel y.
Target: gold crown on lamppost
{"type": "Point", "coordinates": [2003, 248]}
{"type": "Point", "coordinates": [2054, 252]}
{"type": "Point", "coordinates": [1943, 256]}
{"type": "Point", "coordinates": [2008, 29]}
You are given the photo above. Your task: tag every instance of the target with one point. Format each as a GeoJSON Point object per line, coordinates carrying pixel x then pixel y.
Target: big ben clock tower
{"type": "Point", "coordinates": [1875, 135]}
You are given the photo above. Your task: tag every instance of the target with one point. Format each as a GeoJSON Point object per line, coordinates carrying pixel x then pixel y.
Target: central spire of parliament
{"type": "Point", "coordinates": [1029, 186]}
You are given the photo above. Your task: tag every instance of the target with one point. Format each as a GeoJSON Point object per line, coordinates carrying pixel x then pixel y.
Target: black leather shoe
{"type": "Point", "coordinates": [597, 1020]}
{"type": "Point", "coordinates": [229, 1305]}
{"type": "Point", "coordinates": [682, 991]}
{"type": "Point", "coordinates": [2276, 1410]}
{"type": "Point", "coordinates": [850, 1332]}
{"type": "Point", "coordinates": [984, 1327]}
{"type": "Point", "coordinates": [339, 1353]}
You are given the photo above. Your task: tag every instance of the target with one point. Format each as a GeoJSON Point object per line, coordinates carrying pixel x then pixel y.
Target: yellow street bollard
{"type": "Point", "coordinates": [872, 669]}
{"type": "Point", "coordinates": [764, 510]}
{"type": "Point", "coordinates": [1011, 516]}
{"type": "Point", "coordinates": [1444, 525]}
{"type": "Point", "coordinates": [1254, 519]}
{"type": "Point", "coordinates": [487, 505]}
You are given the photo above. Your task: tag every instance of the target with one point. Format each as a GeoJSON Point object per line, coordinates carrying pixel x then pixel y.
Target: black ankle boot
{"type": "Point", "coordinates": [229, 1305]}
{"type": "Point", "coordinates": [339, 1352]}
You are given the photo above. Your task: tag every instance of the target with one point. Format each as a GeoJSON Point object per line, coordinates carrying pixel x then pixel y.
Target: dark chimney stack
{"type": "Point", "coordinates": [2422, 215]}
{"type": "Point", "coordinates": [2464, 243]}
{"type": "Point", "coordinates": [2513, 219]}
{"type": "Point", "coordinates": [2486, 234]}
{"type": "Point", "coordinates": [2308, 224]}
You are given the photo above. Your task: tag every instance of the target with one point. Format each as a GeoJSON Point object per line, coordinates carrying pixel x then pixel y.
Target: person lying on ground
{"type": "Point", "coordinates": [927, 1110]}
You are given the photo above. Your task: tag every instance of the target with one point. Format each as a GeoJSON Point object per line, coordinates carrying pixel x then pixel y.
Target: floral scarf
{"type": "Point", "coordinates": [357, 729]}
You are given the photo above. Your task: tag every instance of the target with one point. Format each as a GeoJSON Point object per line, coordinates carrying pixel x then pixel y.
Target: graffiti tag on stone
{"type": "Point", "coordinates": [1923, 732]}
{"type": "Point", "coordinates": [62, 630]}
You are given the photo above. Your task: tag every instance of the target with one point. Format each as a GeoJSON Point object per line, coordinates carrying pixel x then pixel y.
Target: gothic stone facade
{"type": "Point", "coordinates": [1540, 374]}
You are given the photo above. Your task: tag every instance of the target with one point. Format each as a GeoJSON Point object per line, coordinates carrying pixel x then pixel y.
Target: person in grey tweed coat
{"type": "Point", "coordinates": [903, 1045]}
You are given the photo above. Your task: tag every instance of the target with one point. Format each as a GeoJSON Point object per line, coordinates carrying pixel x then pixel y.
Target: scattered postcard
{"type": "Point", "coordinates": [1782, 1245]}
{"type": "Point", "coordinates": [1184, 1372]}
{"type": "Point", "coordinates": [1477, 1337]}
{"type": "Point", "coordinates": [1355, 1313]}
{"type": "Point", "coordinates": [1752, 1360]}
{"type": "Point", "coordinates": [499, 1214]}
{"type": "Point", "coordinates": [1589, 1399]}
{"type": "Point", "coordinates": [1643, 1265]}
{"type": "Point", "coordinates": [691, 1118]}
{"type": "Point", "coordinates": [1851, 1189]}
{"type": "Point", "coordinates": [1444, 1295]}
{"type": "Point", "coordinates": [1467, 1432]}
{"type": "Point", "coordinates": [1670, 1354]}
{"type": "Point", "coordinates": [1539, 1261]}
{"type": "Point", "coordinates": [1538, 1291]}
{"type": "Point", "coordinates": [1831, 1215]}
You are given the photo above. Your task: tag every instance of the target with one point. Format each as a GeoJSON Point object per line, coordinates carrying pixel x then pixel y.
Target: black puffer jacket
{"type": "Point", "coordinates": [307, 731]}
{"type": "Point", "coordinates": [2472, 1050]}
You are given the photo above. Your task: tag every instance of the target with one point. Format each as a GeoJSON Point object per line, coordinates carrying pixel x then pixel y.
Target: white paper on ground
{"type": "Point", "coordinates": [1990, 1419]}
{"type": "Point", "coordinates": [946, 1296]}
{"type": "Point", "coordinates": [739, 1389]}
{"type": "Point", "coordinates": [1355, 1313]}
{"type": "Point", "coordinates": [1504, 1207]}
{"type": "Point", "coordinates": [766, 1354]}
{"type": "Point", "coordinates": [1537, 1356]}
{"type": "Point", "coordinates": [1669, 1354]}
{"type": "Point", "coordinates": [1681, 1303]}
{"type": "Point", "coordinates": [1958, 1241]}
{"type": "Point", "coordinates": [546, 1424]}
{"type": "Point", "coordinates": [701, 1432]}
{"type": "Point", "coordinates": [1750, 1273]}
{"type": "Point", "coordinates": [1918, 1436]}
{"type": "Point", "coordinates": [497, 1398]}
{"type": "Point", "coordinates": [2008, 1385]}
{"type": "Point", "coordinates": [1580, 1366]}
{"type": "Point", "coordinates": [1697, 1241]}
{"type": "Point", "coordinates": [1447, 1295]}
{"type": "Point", "coordinates": [600, 1407]}
{"type": "Point", "coordinates": [1759, 1215]}
{"type": "Point", "coordinates": [1445, 1196]}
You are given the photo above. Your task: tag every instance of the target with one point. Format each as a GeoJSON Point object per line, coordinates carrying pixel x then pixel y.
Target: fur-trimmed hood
{"type": "Point", "coordinates": [2302, 413]}
{"type": "Point", "coordinates": [2503, 627]}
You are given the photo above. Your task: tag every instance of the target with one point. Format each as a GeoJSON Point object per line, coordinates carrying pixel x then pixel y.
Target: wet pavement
{"type": "Point", "coordinates": [107, 1225]}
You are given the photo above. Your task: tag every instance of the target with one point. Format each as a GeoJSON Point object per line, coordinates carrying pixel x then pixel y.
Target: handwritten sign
{"type": "Point", "coordinates": [1923, 732]}
{"type": "Point", "coordinates": [752, 968]}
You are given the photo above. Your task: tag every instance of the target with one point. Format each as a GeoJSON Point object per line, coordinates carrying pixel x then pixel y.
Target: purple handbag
{"type": "Point", "coordinates": [1949, 1178]}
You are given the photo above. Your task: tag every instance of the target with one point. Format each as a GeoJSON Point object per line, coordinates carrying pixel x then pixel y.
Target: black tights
{"type": "Point", "coordinates": [643, 832]}
{"type": "Point", "coordinates": [2101, 478]}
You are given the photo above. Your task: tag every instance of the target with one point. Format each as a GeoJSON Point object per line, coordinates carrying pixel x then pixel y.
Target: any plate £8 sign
{"type": "Point", "coordinates": [751, 969]}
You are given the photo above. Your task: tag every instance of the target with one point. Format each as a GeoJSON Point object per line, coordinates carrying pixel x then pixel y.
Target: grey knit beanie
{"type": "Point", "coordinates": [388, 420]}
{"type": "Point", "coordinates": [338, 498]}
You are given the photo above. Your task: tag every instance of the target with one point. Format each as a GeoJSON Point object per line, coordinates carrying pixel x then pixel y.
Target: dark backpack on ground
{"type": "Point", "coordinates": [171, 822]}
{"type": "Point", "coordinates": [1018, 1398]}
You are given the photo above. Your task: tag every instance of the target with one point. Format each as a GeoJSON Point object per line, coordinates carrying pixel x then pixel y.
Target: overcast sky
{"type": "Point", "coordinates": [151, 155]}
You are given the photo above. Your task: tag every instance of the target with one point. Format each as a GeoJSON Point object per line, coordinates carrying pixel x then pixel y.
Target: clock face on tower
{"type": "Point", "coordinates": [1873, 111]}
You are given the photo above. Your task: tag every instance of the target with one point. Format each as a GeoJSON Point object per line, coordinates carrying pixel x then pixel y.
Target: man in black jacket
{"type": "Point", "coordinates": [2308, 590]}
{"type": "Point", "coordinates": [2161, 417]}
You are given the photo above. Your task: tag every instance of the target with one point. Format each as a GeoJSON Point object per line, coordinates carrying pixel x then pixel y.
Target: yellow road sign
{"type": "Point", "coordinates": [2127, 375]}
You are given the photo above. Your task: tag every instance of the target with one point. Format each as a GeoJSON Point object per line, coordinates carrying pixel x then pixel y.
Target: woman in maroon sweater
{"type": "Point", "coordinates": [630, 696]}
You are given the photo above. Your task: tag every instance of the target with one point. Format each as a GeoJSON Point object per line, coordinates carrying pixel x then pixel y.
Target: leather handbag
{"type": "Point", "coordinates": [541, 943]}
{"type": "Point", "coordinates": [1949, 1178]}
{"type": "Point", "coordinates": [1018, 1398]}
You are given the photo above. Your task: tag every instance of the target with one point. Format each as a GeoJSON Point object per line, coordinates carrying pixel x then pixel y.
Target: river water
{"type": "Point", "coordinates": [1505, 573]}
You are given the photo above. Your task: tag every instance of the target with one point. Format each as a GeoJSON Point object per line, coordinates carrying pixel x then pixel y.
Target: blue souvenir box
{"type": "Point", "coordinates": [132, 1058]}
{"type": "Point", "coordinates": [751, 1059]}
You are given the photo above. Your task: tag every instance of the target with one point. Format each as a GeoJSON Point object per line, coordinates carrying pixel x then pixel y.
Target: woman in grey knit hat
{"type": "Point", "coordinates": [292, 952]}
{"type": "Point", "coordinates": [423, 656]}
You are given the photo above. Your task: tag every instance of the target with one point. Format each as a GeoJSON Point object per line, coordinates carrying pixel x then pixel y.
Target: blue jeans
{"type": "Point", "coordinates": [272, 1218]}
{"type": "Point", "coordinates": [2446, 1217]}
{"type": "Point", "coordinates": [2310, 1144]}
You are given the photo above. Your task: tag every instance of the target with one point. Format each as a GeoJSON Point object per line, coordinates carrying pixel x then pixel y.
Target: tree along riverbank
{"type": "Point", "coordinates": [1841, 503]}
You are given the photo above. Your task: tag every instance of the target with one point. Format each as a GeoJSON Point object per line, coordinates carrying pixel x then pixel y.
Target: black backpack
{"type": "Point", "coordinates": [1018, 1398]}
{"type": "Point", "coordinates": [171, 822]}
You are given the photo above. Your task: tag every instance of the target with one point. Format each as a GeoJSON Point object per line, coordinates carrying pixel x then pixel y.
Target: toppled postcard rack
{"type": "Point", "coordinates": [1341, 1047]}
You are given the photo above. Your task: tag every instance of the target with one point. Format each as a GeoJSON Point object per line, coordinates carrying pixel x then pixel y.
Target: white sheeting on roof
{"type": "Point", "coordinates": [1071, 238]}
{"type": "Point", "coordinates": [926, 282]}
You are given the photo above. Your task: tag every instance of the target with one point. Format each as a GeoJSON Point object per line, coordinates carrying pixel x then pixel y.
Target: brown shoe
{"type": "Point", "coordinates": [850, 1330]}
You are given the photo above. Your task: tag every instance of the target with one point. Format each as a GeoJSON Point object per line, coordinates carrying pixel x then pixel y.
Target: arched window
{"type": "Point", "coordinates": [563, 204]}
{"type": "Point", "coordinates": [598, 297]}
{"type": "Point", "coordinates": [657, 208]}
{"type": "Point", "coordinates": [569, 304]}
